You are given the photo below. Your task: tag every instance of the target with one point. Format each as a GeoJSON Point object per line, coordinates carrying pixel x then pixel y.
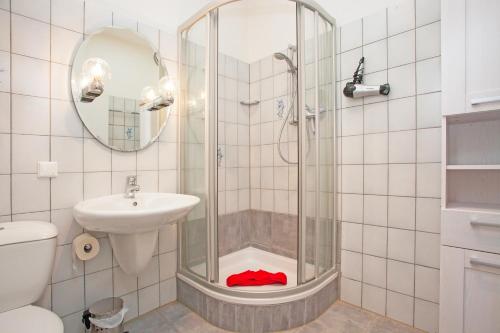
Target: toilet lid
{"type": "Point", "coordinates": [30, 319]}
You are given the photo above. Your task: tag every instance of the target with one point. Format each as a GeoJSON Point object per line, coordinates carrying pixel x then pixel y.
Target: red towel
{"type": "Point", "coordinates": [256, 278]}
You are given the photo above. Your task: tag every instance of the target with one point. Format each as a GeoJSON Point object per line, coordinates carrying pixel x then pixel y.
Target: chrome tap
{"type": "Point", "coordinates": [132, 187]}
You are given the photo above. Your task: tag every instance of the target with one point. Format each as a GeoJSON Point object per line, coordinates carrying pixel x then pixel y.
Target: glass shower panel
{"type": "Point", "coordinates": [309, 173]}
{"type": "Point", "coordinates": [326, 135]}
{"type": "Point", "coordinates": [192, 155]}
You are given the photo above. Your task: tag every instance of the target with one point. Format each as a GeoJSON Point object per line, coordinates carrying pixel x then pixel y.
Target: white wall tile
{"type": "Point", "coordinates": [73, 323]}
{"type": "Point", "coordinates": [428, 41]}
{"type": "Point", "coordinates": [426, 316]}
{"type": "Point", "coordinates": [375, 240]}
{"type": "Point", "coordinates": [131, 301]}
{"type": "Point", "coordinates": [375, 148]}
{"type": "Point", "coordinates": [402, 80]}
{"type": "Point", "coordinates": [352, 121]}
{"type": "Point", "coordinates": [429, 145]}
{"type": "Point", "coordinates": [4, 112]}
{"type": "Point", "coordinates": [351, 265]}
{"type": "Point", "coordinates": [402, 114]}
{"type": "Point", "coordinates": [68, 296]}
{"type": "Point", "coordinates": [428, 75]}
{"type": "Point", "coordinates": [375, 210]}
{"type": "Point", "coordinates": [63, 44]}
{"type": "Point", "coordinates": [5, 73]}
{"type": "Point", "coordinates": [68, 153]}
{"type": "Point", "coordinates": [149, 298]}
{"type": "Point", "coordinates": [96, 156]}
{"type": "Point", "coordinates": [168, 291]}
{"type": "Point", "coordinates": [97, 15]}
{"type": "Point", "coordinates": [30, 37]}
{"type": "Point", "coordinates": [374, 271]}
{"type": "Point", "coordinates": [30, 115]}
{"type": "Point", "coordinates": [401, 17]}
{"type": "Point", "coordinates": [29, 193]}
{"type": "Point", "coordinates": [375, 179]}
{"type": "Point", "coordinates": [352, 207]}
{"type": "Point", "coordinates": [348, 62]}
{"type": "Point", "coordinates": [427, 11]}
{"type": "Point", "coordinates": [427, 283]}
{"type": "Point", "coordinates": [429, 110]}
{"type": "Point", "coordinates": [400, 277]}
{"type": "Point", "coordinates": [401, 245]}
{"type": "Point", "coordinates": [352, 179]}
{"type": "Point", "coordinates": [351, 35]}
{"type": "Point", "coordinates": [37, 9]}
{"type": "Point", "coordinates": [64, 119]}
{"type": "Point", "coordinates": [5, 195]}
{"type": "Point", "coordinates": [64, 268]}
{"type": "Point", "coordinates": [400, 307]}
{"type": "Point", "coordinates": [428, 216]}
{"type": "Point", "coordinates": [67, 227]}
{"type": "Point", "coordinates": [122, 282]}
{"type": "Point", "coordinates": [375, 27]}
{"type": "Point", "coordinates": [427, 249]}
{"type": "Point", "coordinates": [402, 179]}
{"type": "Point", "coordinates": [402, 147]}
{"type": "Point", "coordinates": [350, 291]}
{"type": "Point", "coordinates": [27, 150]}
{"type": "Point", "coordinates": [5, 153]}
{"type": "Point", "coordinates": [402, 212]}
{"type": "Point", "coordinates": [375, 118]}
{"type": "Point", "coordinates": [167, 240]}
{"type": "Point", "coordinates": [67, 190]}
{"type": "Point", "coordinates": [168, 265]}
{"type": "Point", "coordinates": [352, 236]}
{"type": "Point", "coordinates": [429, 180]}
{"type": "Point", "coordinates": [352, 149]}
{"type": "Point", "coordinates": [5, 31]}
{"type": "Point", "coordinates": [374, 299]}
{"type": "Point", "coordinates": [150, 275]}
{"type": "Point", "coordinates": [38, 72]}
{"type": "Point", "coordinates": [59, 83]}
{"type": "Point", "coordinates": [401, 49]}
{"type": "Point", "coordinates": [68, 14]}
{"type": "Point", "coordinates": [98, 286]}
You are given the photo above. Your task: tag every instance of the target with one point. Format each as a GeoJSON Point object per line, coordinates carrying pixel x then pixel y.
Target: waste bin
{"type": "Point", "coordinates": [105, 315]}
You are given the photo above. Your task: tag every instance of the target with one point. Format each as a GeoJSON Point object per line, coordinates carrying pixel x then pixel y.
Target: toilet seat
{"type": "Point", "coordinates": [30, 319]}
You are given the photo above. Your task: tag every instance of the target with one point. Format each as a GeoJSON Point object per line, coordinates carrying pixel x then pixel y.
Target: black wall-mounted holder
{"type": "Point", "coordinates": [356, 88]}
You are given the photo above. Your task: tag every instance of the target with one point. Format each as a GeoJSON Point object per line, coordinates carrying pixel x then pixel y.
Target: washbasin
{"type": "Point", "coordinates": [133, 223]}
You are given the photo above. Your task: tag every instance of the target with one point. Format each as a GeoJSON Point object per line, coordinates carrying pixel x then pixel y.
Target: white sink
{"type": "Point", "coordinates": [133, 223]}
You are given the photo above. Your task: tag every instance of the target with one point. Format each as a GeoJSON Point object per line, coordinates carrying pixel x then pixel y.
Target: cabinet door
{"type": "Point", "coordinates": [483, 54]}
{"type": "Point", "coordinates": [470, 291]}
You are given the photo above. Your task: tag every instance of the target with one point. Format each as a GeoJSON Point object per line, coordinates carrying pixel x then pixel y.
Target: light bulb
{"type": "Point", "coordinates": [148, 95]}
{"type": "Point", "coordinates": [96, 69]}
{"type": "Point", "coordinates": [166, 87]}
{"type": "Point", "coordinates": [84, 80]}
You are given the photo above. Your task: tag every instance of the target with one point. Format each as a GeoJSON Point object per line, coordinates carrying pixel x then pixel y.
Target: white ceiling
{"type": "Point", "coordinates": [168, 14]}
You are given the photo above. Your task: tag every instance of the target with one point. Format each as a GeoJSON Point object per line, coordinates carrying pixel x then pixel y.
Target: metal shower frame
{"type": "Point", "coordinates": [211, 13]}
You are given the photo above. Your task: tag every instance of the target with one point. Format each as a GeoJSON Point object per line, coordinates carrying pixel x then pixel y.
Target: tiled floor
{"type": "Point", "coordinates": [339, 318]}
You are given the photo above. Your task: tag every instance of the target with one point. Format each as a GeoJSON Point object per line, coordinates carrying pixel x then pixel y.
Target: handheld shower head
{"type": "Point", "coordinates": [282, 56]}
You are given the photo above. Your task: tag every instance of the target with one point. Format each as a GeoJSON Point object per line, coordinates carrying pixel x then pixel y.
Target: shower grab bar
{"type": "Point", "coordinates": [484, 100]}
{"type": "Point", "coordinates": [249, 103]}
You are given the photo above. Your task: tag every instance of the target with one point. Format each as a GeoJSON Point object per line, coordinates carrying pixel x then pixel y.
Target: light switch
{"type": "Point", "coordinates": [47, 169]}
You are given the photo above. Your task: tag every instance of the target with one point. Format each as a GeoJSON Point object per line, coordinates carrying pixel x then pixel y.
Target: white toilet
{"type": "Point", "coordinates": [27, 252]}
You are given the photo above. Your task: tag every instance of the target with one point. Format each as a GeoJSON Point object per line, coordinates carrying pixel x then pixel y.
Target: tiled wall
{"type": "Point", "coordinates": [390, 172]}
{"type": "Point", "coordinates": [39, 123]}
{"type": "Point", "coordinates": [273, 182]}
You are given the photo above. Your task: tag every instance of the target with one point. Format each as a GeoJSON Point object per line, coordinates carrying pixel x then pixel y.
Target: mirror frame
{"type": "Point", "coordinates": [74, 98]}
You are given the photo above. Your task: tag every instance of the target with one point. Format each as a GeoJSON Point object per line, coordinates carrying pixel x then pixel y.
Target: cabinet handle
{"type": "Point", "coordinates": [483, 100]}
{"type": "Point", "coordinates": [483, 262]}
{"type": "Point", "coordinates": [484, 224]}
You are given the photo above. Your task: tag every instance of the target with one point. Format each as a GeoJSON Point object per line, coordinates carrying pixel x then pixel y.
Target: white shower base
{"type": "Point", "coordinates": [251, 258]}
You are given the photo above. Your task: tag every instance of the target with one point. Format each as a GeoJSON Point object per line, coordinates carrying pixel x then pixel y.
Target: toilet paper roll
{"type": "Point", "coordinates": [85, 246]}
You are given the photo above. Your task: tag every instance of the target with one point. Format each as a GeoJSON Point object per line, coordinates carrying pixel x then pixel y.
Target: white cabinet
{"type": "Point", "coordinates": [470, 292]}
{"type": "Point", "coordinates": [471, 41]}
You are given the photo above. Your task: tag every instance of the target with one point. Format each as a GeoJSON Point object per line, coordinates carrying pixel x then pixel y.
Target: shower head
{"type": "Point", "coordinates": [282, 56]}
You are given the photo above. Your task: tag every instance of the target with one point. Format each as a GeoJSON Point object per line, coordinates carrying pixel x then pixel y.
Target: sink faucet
{"type": "Point", "coordinates": [132, 187]}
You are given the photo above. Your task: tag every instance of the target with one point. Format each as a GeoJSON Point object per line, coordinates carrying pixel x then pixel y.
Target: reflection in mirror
{"type": "Point", "coordinates": [121, 88]}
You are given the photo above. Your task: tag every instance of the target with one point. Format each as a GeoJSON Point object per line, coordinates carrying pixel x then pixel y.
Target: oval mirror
{"type": "Point", "coordinates": [121, 88]}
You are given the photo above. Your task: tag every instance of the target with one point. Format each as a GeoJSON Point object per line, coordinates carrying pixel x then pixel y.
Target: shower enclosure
{"type": "Point", "coordinates": [257, 145]}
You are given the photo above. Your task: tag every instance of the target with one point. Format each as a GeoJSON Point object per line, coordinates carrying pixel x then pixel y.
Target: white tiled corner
{"type": "Point", "coordinates": [168, 291]}
{"type": "Point", "coordinates": [350, 291]}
